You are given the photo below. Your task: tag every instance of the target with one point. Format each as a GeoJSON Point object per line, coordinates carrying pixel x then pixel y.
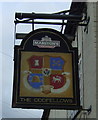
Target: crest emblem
{"type": "Point", "coordinates": [57, 81]}
{"type": "Point", "coordinates": [35, 62]}
{"type": "Point", "coordinates": [47, 74]}
{"type": "Point", "coordinates": [35, 80]}
{"type": "Point", "coordinates": [46, 71]}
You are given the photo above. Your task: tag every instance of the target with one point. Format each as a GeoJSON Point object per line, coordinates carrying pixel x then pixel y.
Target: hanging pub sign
{"type": "Point", "coordinates": [46, 72]}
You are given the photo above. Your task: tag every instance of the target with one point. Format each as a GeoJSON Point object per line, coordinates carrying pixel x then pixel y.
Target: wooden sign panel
{"type": "Point", "coordinates": [46, 72]}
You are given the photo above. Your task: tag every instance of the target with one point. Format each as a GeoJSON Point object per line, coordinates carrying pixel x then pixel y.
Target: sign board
{"type": "Point", "coordinates": [46, 72]}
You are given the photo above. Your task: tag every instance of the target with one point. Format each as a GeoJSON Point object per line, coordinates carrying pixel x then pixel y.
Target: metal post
{"type": "Point", "coordinates": [45, 115]}
{"type": "Point", "coordinates": [48, 16]}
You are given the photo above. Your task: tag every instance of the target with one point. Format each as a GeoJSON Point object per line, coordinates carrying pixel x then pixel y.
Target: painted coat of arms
{"type": "Point", "coordinates": [46, 73]}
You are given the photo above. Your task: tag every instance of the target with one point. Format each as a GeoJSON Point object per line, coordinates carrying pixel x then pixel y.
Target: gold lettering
{"type": "Point", "coordinates": [36, 99]}
{"type": "Point", "coordinates": [22, 99]}
{"type": "Point", "coordinates": [45, 100]}
{"type": "Point", "coordinates": [28, 100]}
{"type": "Point", "coordinates": [25, 99]}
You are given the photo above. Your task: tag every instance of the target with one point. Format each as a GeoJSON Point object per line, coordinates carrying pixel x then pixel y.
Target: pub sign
{"type": "Point", "coordinates": [45, 72]}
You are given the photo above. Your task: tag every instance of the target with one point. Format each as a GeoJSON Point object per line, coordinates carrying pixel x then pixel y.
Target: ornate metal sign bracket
{"type": "Point", "coordinates": [31, 18]}
{"type": "Point", "coordinates": [85, 111]}
{"type": "Point", "coordinates": [86, 27]}
{"type": "Point", "coordinates": [88, 110]}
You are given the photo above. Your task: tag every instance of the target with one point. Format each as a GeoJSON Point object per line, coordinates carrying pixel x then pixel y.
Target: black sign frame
{"type": "Point", "coordinates": [29, 46]}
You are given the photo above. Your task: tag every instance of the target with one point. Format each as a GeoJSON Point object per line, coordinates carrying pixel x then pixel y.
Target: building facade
{"type": "Point", "coordinates": [85, 38]}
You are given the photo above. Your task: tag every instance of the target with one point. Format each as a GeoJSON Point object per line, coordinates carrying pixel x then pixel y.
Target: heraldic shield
{"type": "Point", "coordinates": [46, 72]}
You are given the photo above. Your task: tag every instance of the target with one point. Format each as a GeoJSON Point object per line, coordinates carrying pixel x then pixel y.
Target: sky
{"type": "Point", "coordinates": [7, 27]}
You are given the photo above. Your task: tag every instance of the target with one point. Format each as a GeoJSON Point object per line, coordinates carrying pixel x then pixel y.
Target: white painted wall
{"type": "Point", "coordinates": [87, 73]}
{"type": "Point", "coordinates": [89, 46]}
{"type": "Point", "coordinates": [58, 114]}
{"type": "Point", "coordinates": [97, 56]}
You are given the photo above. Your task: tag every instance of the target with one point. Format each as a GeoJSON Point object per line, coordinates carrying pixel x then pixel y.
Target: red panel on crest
{"type": "Point", "coordinates": [57, 81]}
{"type": "Point", "coordinates": [36, 62]}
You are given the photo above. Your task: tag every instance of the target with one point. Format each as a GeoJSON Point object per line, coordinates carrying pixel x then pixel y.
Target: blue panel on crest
{"type": "Point", "coordinates": [56, 63]}
{"type": "Point", "coordinates": [35, 80]}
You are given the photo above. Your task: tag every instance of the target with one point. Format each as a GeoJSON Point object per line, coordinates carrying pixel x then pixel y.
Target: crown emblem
{"type": "Point", "coordinates": [46, 38]}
